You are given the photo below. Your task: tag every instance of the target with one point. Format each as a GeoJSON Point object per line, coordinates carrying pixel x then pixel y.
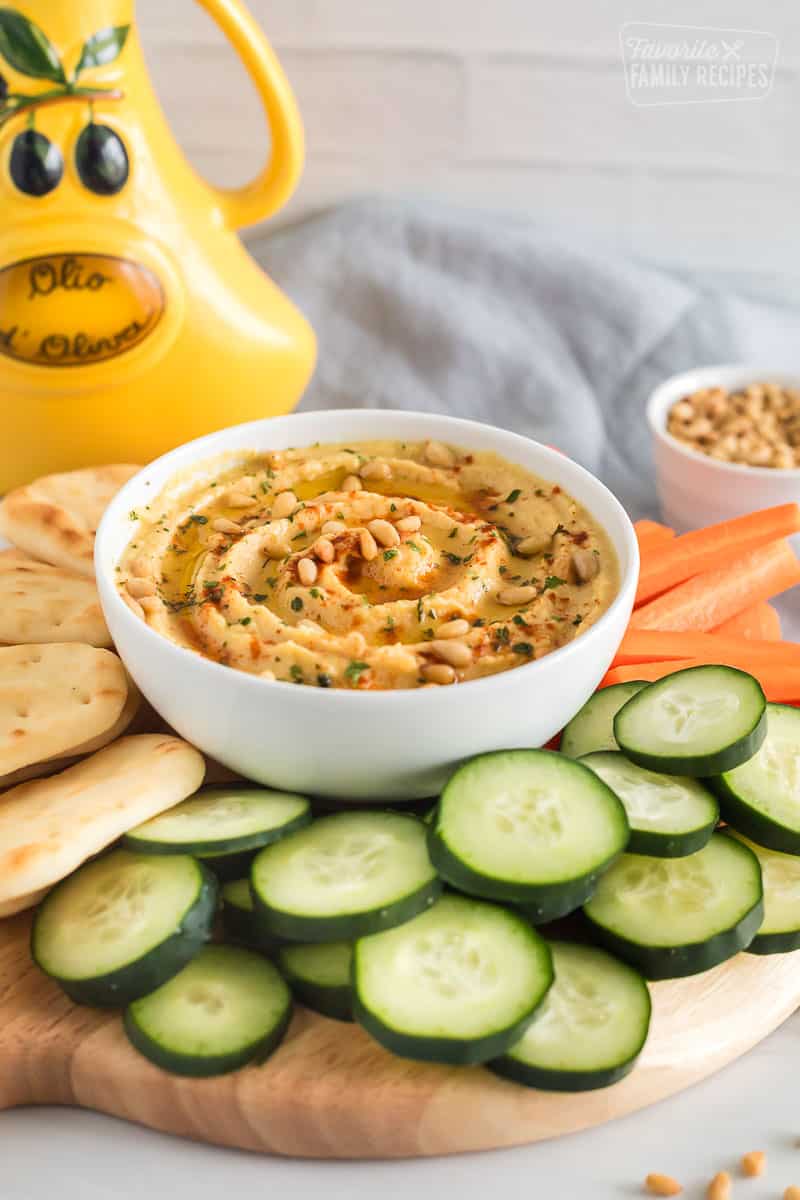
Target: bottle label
{"type": "Point", "coordinates": [76, 310]}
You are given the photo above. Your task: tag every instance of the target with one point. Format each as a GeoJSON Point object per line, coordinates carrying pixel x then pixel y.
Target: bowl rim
{"type": "Point", "coordinates": [390, 696]}
{"type": "Point", "coordinates": [667, 392]}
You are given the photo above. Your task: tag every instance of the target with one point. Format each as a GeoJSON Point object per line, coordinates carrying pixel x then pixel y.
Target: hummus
{"type": "Point", "coordinates": [374, 566]}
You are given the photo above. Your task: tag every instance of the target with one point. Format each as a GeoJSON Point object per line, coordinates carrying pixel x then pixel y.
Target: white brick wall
{"type": "Point", "coordinates": [516, 104]}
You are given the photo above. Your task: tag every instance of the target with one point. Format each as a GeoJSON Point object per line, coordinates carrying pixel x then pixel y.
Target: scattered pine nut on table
{"type": "Point", "coordinates": [662, 1185]}
{"type": "Point", "coordinates": [754, 1163]}
{"type": "Point", "coordinates": [720, 1187]}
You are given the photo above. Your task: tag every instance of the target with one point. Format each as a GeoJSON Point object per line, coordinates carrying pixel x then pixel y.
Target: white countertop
{"type": "Point", "coordinates": [52, 1153]}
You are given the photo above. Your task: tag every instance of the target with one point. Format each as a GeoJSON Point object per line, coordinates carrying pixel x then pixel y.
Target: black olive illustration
{"type": "Point", "coordinates": [37, 166]}
{"type": "Point", "coordinates": [102, 160]}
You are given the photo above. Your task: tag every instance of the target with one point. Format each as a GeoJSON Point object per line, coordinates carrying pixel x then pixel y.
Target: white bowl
{"type": "Point", "coordinates": [696, 490]}
{"type": "Point", "coordinates": [350, 744]}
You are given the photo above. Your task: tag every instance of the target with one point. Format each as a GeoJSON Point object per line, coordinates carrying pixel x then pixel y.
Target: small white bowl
{"type": "Point", "coordinates": [350, 744]}
{"type": "Point", "coordinates": [697, 490]}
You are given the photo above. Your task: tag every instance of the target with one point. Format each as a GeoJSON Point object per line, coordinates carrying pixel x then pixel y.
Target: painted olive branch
{"type": "Point", "coordinates": [17, 104]}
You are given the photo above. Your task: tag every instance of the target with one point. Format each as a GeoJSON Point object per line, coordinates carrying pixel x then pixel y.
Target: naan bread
{"type": "Point", "coordinates": [51, 826]}
{"type": "Point", "coordinates": [43, 603]}
{"type": "Point", "coordinates": [55, 518]}
{"type": "Point", "coordinates": [55, 698]}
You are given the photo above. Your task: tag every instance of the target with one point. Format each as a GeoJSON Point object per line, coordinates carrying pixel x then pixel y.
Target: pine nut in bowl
{"type": "Point", "coordinates": [365, 638]}
{"type": "Point", "coordinates": [726, 442]}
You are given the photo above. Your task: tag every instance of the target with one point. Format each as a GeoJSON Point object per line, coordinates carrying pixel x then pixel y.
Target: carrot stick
{"type": "Point", "coordinates": [760, 621]}
{"type": "Point", "coordinates": [780, 684]}
{"type": "Point", "coordinates": [707, 600]}
{"type": "Point", "coordinates": [650, 645]}
{"type": "Point", "coordinates": [650, 534]}
{"type": "Point", "coordinates": [714, 547]}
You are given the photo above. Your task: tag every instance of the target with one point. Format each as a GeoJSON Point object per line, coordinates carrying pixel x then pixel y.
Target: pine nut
{"type": "Point", "coordinates": [368, 545]}
{"type": "Point", "coordinates": [285, 503]}
{"type": "Point", "coordinates": [133, 605]}
{"type": "Point", "coordinates": [534, 544]}
{"type": "Point", "coordinates": [384, 532]}
{"type": "Point", "coordinates": [307, 571]}
{"type": "Point", "coordinates": [376, 470]}
{"type": "Point", "coordinates": [236, 499]}
{"type": "Point", "coordinates": [439, 455]}
{"type": "Point", "coordinates": [266, 674]}
{"type": "Point", "coordinates": [754, 1163]}
{"type": "Point", "coordinates": [352, 483]}
{"type": "Point", "coordinates": [324, 550]}
{"type": "Point", "coordinates": [140, 566]}
{"type": "Point", "coordinates": [454, 653]}
{"type": "Point", "coordinates": [585, 564]}
{"type": "Point", "coordinates": [356, 644]}
{"type": "Point", "coordinates": [141, 587]}
{"type": "Point", "coordinates": [511, 596]}
{"type": "Point", "coordinates": [792, 1193]}
{"type": "Point", "coordinates": [452, 629]}
{"type": "Point", "coordinates": [720, 1187]}
{"type": "Point", "coordinates": [223, 525]}
{"type": "Point", "coordinates": [409, 524]}
{"type": "Point", "coordinates": [333, 527]}
{"type": "Point", "coordinates": [662, 1185]}
{"type": "Point", "coordinates": [438, 673]}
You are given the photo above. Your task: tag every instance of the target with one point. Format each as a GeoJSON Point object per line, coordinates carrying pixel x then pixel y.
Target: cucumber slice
{"type": "Point", "coordinates": [761, 798]}
{"type": "Point", "coordinates": [592, 728]}
{"type": "Point", "coordinates": [669, 815]}
{"type": "Point", "coordinates": [457, 984]}
{"type": "Point", "coordinates": [226, 1008]}
{"type": "Point", "coordinates": [680, 916]}
{"type": "Point", "coordinates": [221, 821]}
{"type": "Point", "coordinates": [239, 920]}
{"type": "Point", "coordinates": [590, 1029]}
{"type": "Point", "coordinates": [344, 876]}
{"type": "Point", "coordinates": [528, 826]}
{"type": "Point", "coordinates": [699, 721]}
{"type": "Point", "coordinates": [319, 976]}
{"type": "Point", "coordinates": [780, 875]}
{"type": "Point", "coordinates": [122, 925]}
{"type": "Point", "coordinates": [229, 867]}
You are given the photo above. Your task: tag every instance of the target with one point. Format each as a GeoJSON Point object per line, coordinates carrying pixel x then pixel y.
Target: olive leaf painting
{"type": "Point", "coordinates": [27, 49]}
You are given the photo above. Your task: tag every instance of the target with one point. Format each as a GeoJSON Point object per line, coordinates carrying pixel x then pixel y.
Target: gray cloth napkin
{"type": "Point", "coordinates": [421, 305]}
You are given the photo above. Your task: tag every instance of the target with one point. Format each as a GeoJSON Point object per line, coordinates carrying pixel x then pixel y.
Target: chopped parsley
{"type": "Point", "coordinates": [512, 496]}
{"type": "Point", "coordinates": [553, 581]}
{"type": "Point", "coordinates": [246, 621]}
{"type": "Point", "coordinates": [296, 673]}
{"type": "Point", "coordinates": [354, 670]}
{"type": "Point", "coordinates": [523, 648]}
{"type": "Point", "coordinates": [578, 620]}
{"type": "Point", "coordinates": [389, 554]}
{"type": "Point", "coordinates": [133, 515]}
{"type": "Point", "coordinates": [297, 604]}
{"type": "Point", "coordinates": [323, 680]}
{"type": "Point", "coordinates": [260, 597]}
{"type": "Point", "coordinates": [517, 619]}
{"type": "Point", "coordinates": [316, 593]}
{"type": "Point", "coordinates": [453, 532]}
{"type": "Point", "coordinates": [501, 634]}
{"type": "Point", "coordinates": [455, 559]}
{"type": "Point", "coordinates": [414, 546]}
{"type": "Point", "coordinates": [197, 519]}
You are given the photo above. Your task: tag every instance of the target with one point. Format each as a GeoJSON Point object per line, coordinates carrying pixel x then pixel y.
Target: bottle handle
{"type": "Point", "coordinates": [272, 188]}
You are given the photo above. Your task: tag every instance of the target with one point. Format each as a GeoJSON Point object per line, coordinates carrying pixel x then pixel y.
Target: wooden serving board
{"type": "Point", "coordinates": [330, 1092]}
